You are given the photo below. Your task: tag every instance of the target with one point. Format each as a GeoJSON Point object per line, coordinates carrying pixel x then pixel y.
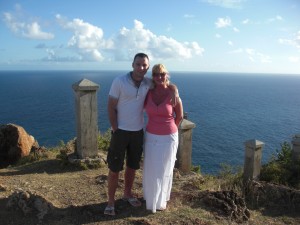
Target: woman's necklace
{"type": "Point", "coordinates": [160, 95]}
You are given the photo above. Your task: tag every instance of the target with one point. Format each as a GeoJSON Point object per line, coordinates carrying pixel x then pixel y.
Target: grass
{"type": "Point", "coordinates": [79, 193]}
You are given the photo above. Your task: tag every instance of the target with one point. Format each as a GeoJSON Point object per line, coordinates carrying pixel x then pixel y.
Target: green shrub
{"type": "Point", "coordinates": [285, 155]}
{"type": "Point", "coordinates": [27, 159]}
{"type": "Point", "coordinates": [281, 169]}
{"type": "Point", "coordinates": [104, 140]}
{"type": "Point", "coordinates": [231, 177]}
{"type": "Point", "coordinates": [273, 172]}
{"type": "Point", "coordinates": [196, 169]}
{"type": "Point", "coordinates": [34, 156]}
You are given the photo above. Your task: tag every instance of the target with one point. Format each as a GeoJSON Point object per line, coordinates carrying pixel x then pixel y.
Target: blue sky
{"type": "Point", "coordinates": [253, 36]}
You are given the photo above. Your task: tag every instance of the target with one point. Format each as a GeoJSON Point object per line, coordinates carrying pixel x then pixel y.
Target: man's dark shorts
{"type": "Point", "coordinates": [125, 143]}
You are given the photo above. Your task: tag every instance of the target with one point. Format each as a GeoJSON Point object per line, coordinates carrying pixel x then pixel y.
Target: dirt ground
{"type": "Point", "coordinates": [79, 197]}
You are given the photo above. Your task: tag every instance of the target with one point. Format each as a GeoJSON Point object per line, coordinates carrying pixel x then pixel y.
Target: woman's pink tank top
{"type": "Point", "coordinates": [160, 117]}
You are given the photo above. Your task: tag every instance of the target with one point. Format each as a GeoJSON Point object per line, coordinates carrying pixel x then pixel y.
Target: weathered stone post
{"type": "Point", "coordinates": [86, 118]}
{"type": "Point", "coordinates": [296, 147]}
{"type": "Point", "coordinates": [253, 155]}
{"type": "Point", "coordinates": [184, 153]}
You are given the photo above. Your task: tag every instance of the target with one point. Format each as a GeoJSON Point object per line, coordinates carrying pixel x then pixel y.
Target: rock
{"type": "Point", "coordinates": [3, 188]}
{"type": "Point", "coordinates": [227, 204]}
{"type": "Point", "coordinates": [29, 203]}
{"type": "Point", "coordinates": [15, 143]}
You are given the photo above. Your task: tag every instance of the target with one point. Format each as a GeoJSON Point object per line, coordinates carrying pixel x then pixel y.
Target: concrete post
{"type": "Point", "coordinates": [296, 147]}
{"type": "Point", "coordinates": [253, 155]}
{"type": "Point", "coordinates": [86, 118]}
{"type": "Point", "coordinates": [184, 153]}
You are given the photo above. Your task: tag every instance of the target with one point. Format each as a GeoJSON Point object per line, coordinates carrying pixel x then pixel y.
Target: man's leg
{"type": "Point", "coordinates": [113, 178]}
{"type": "Point", "coordinates": [134, 152]}
{"type": "Point", "coordinates": [129, 178]}
{"type": "Point", "coordinates": [128, 196]}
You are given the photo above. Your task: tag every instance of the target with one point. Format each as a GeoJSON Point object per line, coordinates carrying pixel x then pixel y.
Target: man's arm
{"type": "Point", "coordinates": [178, 112]}
{"type": "Point", "coordinates": [112, 113]}
{"type": "Point", "coordinates": [175, 94]}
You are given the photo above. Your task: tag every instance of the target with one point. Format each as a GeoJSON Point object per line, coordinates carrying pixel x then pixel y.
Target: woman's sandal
{"type": "Point", "coordinates": [110, 210]}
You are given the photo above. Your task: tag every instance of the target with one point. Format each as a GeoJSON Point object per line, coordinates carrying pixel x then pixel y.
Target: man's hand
{"type": "Point", "coordinates": [175, 94]}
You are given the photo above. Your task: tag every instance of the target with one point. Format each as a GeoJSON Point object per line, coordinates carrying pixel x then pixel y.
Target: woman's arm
{"type": "Point", "coordinates": [178, 108]}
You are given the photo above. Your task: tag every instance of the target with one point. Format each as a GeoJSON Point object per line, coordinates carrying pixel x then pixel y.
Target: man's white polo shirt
{"type": "Point", "coordinates": [130, 101]}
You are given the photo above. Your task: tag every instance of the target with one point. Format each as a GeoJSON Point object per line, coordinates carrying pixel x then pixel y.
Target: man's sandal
{"type": "Point", "coordinates": [133, 201]}
{"type": "Point", "coordinates": [110, 210]}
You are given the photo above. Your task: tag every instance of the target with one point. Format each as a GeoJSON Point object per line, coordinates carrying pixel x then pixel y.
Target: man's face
{"type": "Point", "coordinates": [140, 67]}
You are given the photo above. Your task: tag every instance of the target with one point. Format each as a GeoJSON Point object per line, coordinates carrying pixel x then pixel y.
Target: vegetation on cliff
{"type": "Point", "coordinates": [75, 193]}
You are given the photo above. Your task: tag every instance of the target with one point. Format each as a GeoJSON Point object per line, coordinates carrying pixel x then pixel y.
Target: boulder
{"type": "Point", "coordinates": [227, 204]}
{"type": "Point", "coordinates": [29, 203]}
{"type": "Point", "coordinates": [15, 143]}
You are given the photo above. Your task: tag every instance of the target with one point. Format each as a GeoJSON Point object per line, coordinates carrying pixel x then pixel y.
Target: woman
{"type": "Point", "coordinates": [161, 140]}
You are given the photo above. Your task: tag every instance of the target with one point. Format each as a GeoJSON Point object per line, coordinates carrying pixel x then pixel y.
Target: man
{"type": "Point", "coordinates": [125, 110]}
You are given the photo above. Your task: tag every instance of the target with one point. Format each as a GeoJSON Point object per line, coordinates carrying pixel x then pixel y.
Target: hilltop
{"type": "Point", "coordinates": [71, 195]}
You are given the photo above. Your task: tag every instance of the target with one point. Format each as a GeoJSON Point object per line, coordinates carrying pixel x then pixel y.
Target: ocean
{"type": "Point", "coordinates": [227, 109]}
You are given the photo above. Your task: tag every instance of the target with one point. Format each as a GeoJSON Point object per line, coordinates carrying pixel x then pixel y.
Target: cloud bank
{"type": "Point", "coordinates": [86, 41]}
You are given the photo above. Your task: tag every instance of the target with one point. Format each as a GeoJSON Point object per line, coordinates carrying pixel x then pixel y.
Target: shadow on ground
{"type": "Point", "coordinates": [47, 166]}
{"type": "Point", "coordinates": [73, 214]}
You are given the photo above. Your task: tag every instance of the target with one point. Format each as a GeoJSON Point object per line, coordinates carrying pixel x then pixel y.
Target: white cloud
{"type": "Point", "coordinates": [250, 57]}
{"type": "Point", "coordinates": [246, 21]}
{"type": "Point", "coordinates": [223, 22]}
{"type": "Point", "coordinates": [33, 31]}
{"type": "Point", "coordinates": [230, 43]}
{"type": "Point", "coordinates": [237, 51]}
{"type": "Point", "coordinates": [264, 58]}
{"type": "Point", "coordinates": [87, 42]}
{"type": "Point", "coordinates": [293, 42]}
{"type": "Point", "coordinates": [250, 51]}
{"type": "Point", "coordinates": [188, 16]}
{"type": "Point", "coordinates": [297, 40]}
{"type": "Point", "coordinates": [218, 36]}
{"type": "Point", "coordinates": [87, 39]}
{"type": "Point", "coordinates": [20, 26]}
{"type": "Point", "coordinates": [257, 56]}
{"type": "Point", "coordinates": [294, 59]}
{"type": "Point", "coordinates": [274, 19]}
{"type": "Point", "coordinates": [233, 4]}
{"type": "Point", "coordinates": [253, 55]}
{"type": "Point", "coordinates": [285, 41]}
{"type": "Point", "coordinates": [236, 30]}
{"type": "Point", "coordinates": [138, 38]}
{"type": "Point", "coordinates": [169, 28]}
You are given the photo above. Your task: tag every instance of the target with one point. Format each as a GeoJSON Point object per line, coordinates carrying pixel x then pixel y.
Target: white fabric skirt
{"type": "Point", "coordinates": [159, 160]}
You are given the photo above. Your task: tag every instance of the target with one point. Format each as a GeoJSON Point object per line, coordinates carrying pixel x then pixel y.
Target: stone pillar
{"type": "Point", "coordinates": [86, 118]}
{"type": "Point", "coordinates": [296, 147]}
{"type": "Point", "coordinates": [184, 153]}
{"type": "Point", "coordinates": [253, 155]}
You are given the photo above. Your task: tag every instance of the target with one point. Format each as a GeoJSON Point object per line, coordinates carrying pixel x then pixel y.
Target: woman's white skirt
{"type": "Point", "coordinates": [159, 160]}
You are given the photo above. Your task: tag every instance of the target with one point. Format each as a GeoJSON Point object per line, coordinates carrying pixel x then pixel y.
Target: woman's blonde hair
{"type": "Point", "coordinates": [160, 68]}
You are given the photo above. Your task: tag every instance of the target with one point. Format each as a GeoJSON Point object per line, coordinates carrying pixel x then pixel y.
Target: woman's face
{"type": "Point", "coordinates": [160, 78]}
